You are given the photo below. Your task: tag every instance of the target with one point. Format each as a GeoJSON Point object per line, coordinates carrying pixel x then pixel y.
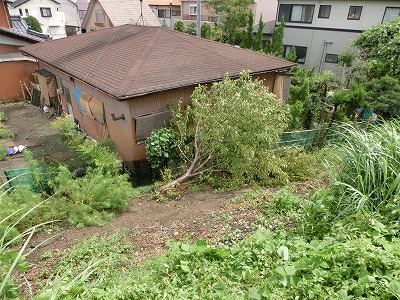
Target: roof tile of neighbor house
{"type": "Point", "coordinates": [121, 12]}
{"type": "Point", "coordinates": [129, 60]}
{"type": "Point", "coordinates": [164, 2]}
{"type": "Point", "coordinates": [21, 35]}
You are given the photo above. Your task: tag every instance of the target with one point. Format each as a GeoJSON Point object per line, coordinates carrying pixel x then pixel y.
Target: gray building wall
{"type": "Point", "coordinates": [336, 32]}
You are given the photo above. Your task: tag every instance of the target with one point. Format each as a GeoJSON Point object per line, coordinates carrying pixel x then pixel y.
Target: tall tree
{"type": "Point", "coordinates": [247, 40]}
{"type": "Point", "coordinates": [275, 45]}
{"type": "Point", "coordinates": [233, 16]}
{"type": "Point", "coordinates": [381, 43]}
{"type": "Point", "coordinates": [231, 126]}
{"type": "Point", "coordinates": [258, 40]}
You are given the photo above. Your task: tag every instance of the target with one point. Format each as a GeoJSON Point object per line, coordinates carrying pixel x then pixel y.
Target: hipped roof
{"type": "Point", "coordinates": [129, 60]}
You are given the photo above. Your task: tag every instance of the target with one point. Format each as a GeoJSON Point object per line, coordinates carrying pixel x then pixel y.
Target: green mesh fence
{"type": "Point", "coordinates": [36, 178]}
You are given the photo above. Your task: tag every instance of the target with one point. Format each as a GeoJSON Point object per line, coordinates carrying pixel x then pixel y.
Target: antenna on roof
{"type": "Point", "coordinates": [141, 18]}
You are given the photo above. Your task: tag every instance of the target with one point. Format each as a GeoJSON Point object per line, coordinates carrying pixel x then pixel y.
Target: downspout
{"type": "Point", "coordinates": [198, 18]}
{"type": "Point", "coordinates": [326, 43]}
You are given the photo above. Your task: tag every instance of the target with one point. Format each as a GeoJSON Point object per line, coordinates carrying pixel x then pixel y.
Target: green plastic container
{"type": "Point", "coordinates": [37, 178]}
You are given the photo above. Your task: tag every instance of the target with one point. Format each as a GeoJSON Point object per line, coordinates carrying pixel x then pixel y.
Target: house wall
{"type": "Point", "coordinates": [266, 8]}
{"type": "Point", "coordinates": [91, 18]}
{"type": "Point", "coordinates": [123, 131]}
{"type": "Point", "coordinates": [54, 25]}
{"type": "Point", "coordinates": [11, 73]}
{"type": "Point", "coordinates": [4, 20]}
{"type": "Point", "coordinates": [335, 32]}
{"type": "Point", "coordinates": [206, 14]}
{"type": "Point", "coordinates": [71, 13]}
{"type": "Point", "coordinates": [168, 22]}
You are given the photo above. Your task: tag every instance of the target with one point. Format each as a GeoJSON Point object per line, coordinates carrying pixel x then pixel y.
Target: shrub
{"type": "Point", "coordinates": [6, 133]}
{"type": "Point", "coordinates": [367, 176]}
{"type": "Point", "coordinates": [2, 117]}
{"type": "Point", "coordinates": [179, 26]}
{"type": "Point", "coordinates": [33, 23]}
{"type": "Point", "coordinates": [161, 147]}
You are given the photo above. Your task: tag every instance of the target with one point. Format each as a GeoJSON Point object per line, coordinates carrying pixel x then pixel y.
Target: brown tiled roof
{"type": "Point", "coordinates": [131, 60]}
{"type": "Point", "coordinates": [164, 2]}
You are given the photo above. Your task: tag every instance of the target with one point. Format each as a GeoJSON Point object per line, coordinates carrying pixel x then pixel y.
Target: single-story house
{"type": "Point", "coordinates": [118, 82]}
{"type": "Point", "coordinates": [15, 68]}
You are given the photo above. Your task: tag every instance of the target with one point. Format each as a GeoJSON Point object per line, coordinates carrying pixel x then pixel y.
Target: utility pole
{"type": "Point", "coordinates": [198, 18]}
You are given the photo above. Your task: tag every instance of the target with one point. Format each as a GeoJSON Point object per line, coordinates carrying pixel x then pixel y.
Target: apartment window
{"type": "Point", "coordinates": [26, 12]}
{"type": "Point", "coordinates": [164, 13]}
{"type": "Point", "coordinates": [176, 13]}
{"type": "Point", "coordinates": [296, 13]}
{"type": "Point", "coordinates": [81, 14]}
{"type": "Point", "coordinates": [100, 18]}
{"type": "Point", "coordinates": [324, 11]}
{"type": "Point", "coordinates": [331, 58]}
{"type": "Point", "coordinates": [301, 53]}
{"type": "Point", "coordinates": [192, 9]}
{"type": "Point", "coordinates": [45, 11]}
{"type": "Point", "coordinates": [20, 12]}
{"type": "Point", "coordinates": [354, 13]}
{"type": "Point", "coordinates": [391, 13]}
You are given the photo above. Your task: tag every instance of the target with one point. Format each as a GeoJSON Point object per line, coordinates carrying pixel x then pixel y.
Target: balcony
{"type": "Point", "coordinates": [202, 18]}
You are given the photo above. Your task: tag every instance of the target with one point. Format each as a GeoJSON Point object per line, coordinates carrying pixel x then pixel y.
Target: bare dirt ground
{"type": "Point", "coordinates": [208, 216]}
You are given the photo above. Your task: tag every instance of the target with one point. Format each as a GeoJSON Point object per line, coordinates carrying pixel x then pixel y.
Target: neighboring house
{"type": "Point", "coordinates": [82, 8]}
{"type": "Point", "coordinates": [269, 27]}
{"type": "Point", "coordinates": [103, 14]}
{"type": "Point", "coordinates": [265, 8]}
{"type": "Point", "coordinates": [15, 68]}
{"type": "Point", "coordinates": [167, 11]}
{"type": "Point", "coordinates": [189, 12]}
{"type": "Point", "coordinates": [57, 18]}
{"type": "Point", "coordinates": [19, 24]}
{"type": "Point", "coordinates": [117, 83]}
{"type": "Point", "coordinates": [319, 30]}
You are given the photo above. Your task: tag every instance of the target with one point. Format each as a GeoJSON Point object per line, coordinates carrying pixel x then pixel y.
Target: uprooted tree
{"type": "Point", "coordinates": [229, 128]}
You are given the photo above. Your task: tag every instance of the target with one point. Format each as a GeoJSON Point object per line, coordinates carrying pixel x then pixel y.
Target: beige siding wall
{"type": "Point", "coordinates": [91, 22]}
{"type": "Point", "coordinates": [123, 131]}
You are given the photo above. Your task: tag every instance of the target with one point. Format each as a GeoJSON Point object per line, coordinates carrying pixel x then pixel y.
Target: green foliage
{"type": "Point", "coordinates": [206, 31]}
{"type": "Point", "coordinates": [347, 57]}
{"type": "Point", "coordinates": [161, 147]}
{"type": "Point", "coordinates": [33, 23]}
{"type": "Point", "coordinates": [92, 199]}
{"type": "Point", "coordinates": [114, 254]}
{"type": "Point", "coordinates": [234, 142]}
{"type": "Point", "coordinates": [94, 153]}
{"type": "Point", "coordinates": [3, 148]}
{"type": "Point", "coordinates": [179, 26]}
{"type": "Point", "coordinates": [2, 117]}
{"type": "Point", "coordinates": [381, 43]}
{"type": "Point", "coordinates": [258, 39]}
{"type": "Point", "coordinates": [191, 28]}
{"type": "Point", "coordinates": [247, 40]}
{"type": "Point", "coordinates": [6, 133]}
{"type": "Point", "coordinates": [366, 177]}
{"type": "Point", "coordinates": [307, 93]}
{"type": "Point", "coordinates": [292, 56]}
{"type": "Point", "coordinates": [275, 45]}
{"type": "Point", "coordinates": [233, 17]}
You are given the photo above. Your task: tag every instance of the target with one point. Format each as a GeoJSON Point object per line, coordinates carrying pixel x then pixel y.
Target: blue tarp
{"type": "Point", "coordinates": [77, 93]}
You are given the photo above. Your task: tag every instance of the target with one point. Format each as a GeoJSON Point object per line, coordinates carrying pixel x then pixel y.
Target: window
{"type": "Point", "coordinates": [20, 12]}
{"type": "Point", "coordinates": [354, 13]}
{"type": "Point", "coordinates": [331, 58]}
{"type": "Point", "coordinates": [99, 18]}
{"type": "Point", "coordinates": [81, 14]}
{"type": "Point", "coordinates": [164, 13]}
{"type": "Point", "coordinates": [296, 13]}
{"type": "Point", "coordinates": [26, 12]}
{"type": "Point", "coordinates": [176, 13]}
{"type": "Point", "coordinates": [301, 53]}
{"type": "Point", "coordinates": [45, 11]}
{"type": "Point", "coordinates": [192, 9]}
{"type": "Point", "coordinates": [324, 11]}
{"type": "Point", "coordinates": [145, 124]}
{"type": "Point", "coordinates": [391, 13]}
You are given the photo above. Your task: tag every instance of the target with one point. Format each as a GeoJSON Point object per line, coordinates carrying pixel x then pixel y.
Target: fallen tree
{"type": "Point", "coordinates": [229, 128]}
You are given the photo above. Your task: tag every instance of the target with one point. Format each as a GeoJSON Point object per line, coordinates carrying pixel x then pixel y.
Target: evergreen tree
{"type": "Point", "coordinates": [275, 45]}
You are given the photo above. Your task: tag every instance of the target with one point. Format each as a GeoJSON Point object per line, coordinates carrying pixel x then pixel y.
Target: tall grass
{"type": "Point", "coordinates": [367, 173]}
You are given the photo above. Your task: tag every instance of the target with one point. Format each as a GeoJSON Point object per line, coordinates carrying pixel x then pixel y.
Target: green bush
{"type": "Point", "coordinates": [6, 133]}
{"type": "Point", "coordinates": [33, 23]}
{"type": "Point", "coordinates": [179, 26]}
{"type": "Point", "coordinates": [161, 147]}
{"type": "Point", "coordinates": [2, 117]}
{"type": "Point", "coordinates": [366, 176]}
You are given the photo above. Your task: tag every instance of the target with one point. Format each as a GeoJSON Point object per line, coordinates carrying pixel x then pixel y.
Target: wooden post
{"type": "Point", "coordinates": [22, 88]}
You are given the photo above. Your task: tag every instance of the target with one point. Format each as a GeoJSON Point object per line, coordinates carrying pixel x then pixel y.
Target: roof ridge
{"type": "Point", "coordinates": [140, 60]}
